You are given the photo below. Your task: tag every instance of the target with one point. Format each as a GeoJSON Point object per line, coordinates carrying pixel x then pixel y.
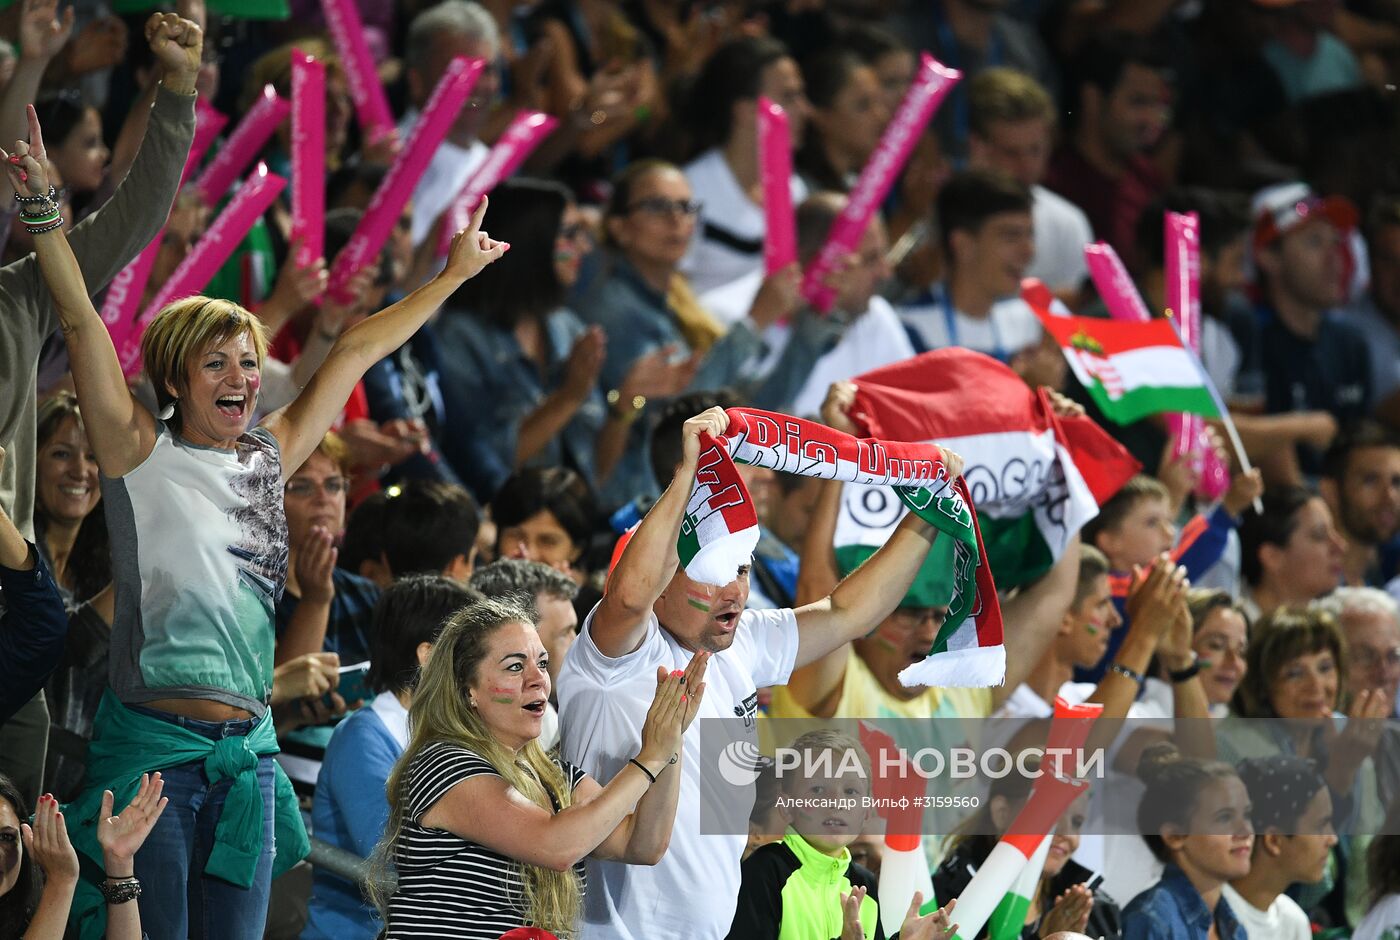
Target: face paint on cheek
{"type": "Point", "coordinates": [700, 597]}
{"type": "Point", "coordinates": [502, 696]}
{"type": "Point", "coordinates": [882, 638]}
{"type": "Point", "coordinates": [1091, 629]}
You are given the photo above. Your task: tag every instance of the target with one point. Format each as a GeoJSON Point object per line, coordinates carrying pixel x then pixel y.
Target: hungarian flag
{"type": "Point", "coordinates": [1035, 478]}
{"type": "Point", "coordinates": [1132, 369]}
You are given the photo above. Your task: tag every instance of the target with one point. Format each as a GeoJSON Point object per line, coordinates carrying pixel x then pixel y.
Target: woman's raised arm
{"type": "Point", "coordinates": [300, 426]}
{"type": "Point", "coordinates": [121, 430]}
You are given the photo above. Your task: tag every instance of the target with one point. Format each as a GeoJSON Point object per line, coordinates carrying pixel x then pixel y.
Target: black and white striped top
{"type": "Point", "coordinates": [449, 886]}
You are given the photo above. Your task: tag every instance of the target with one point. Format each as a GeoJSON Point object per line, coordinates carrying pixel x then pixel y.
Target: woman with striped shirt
{"type": "Point", "coordinates": [486, 831]}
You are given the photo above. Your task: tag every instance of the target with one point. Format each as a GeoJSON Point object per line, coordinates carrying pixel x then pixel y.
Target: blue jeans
{"type": "Point", "coordinates": [177, 899]}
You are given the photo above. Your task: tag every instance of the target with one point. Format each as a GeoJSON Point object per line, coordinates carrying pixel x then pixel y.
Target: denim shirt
{"type": "Point", "coordinates": [637, 320]}
{"type": "Point", "coordinates": [490, 386]}
{"type": "Point", "coordinates": [1172, 909]}
{"type": "Point", "coordinates": [407, 384]}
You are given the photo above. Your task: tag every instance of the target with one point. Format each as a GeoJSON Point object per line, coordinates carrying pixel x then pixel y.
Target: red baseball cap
{"type": "Point", "coordinates": [1280, 209]}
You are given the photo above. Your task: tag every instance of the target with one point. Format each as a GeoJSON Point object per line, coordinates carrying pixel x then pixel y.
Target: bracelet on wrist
{"type": "Point", "coordinates": [56, 224]}
{"type": "Point", "coordinates": [51, 195]}
{"type": "Point", "coordinates": [120, 892]}
{"type": "Point", "coordinates": [1127, 673]}
{"type": "Point", "coordinates": [1187, 672]}
{"type": "Point", "coordinates": [623, 408]}
{"type": "Point", "coordinates": [38, 210]}
{"type": "Point", "coordinates": [642, 767]}
{"type": "Point", "coordinates": [41, 217]}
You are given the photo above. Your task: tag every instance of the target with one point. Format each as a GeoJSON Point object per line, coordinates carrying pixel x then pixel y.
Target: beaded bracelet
{"type": "Point", "coordinates": [40, 209]}
{"type": "Point", "coordinates": [120, 890]}
{"type": "Point", "coordinates": [51, 196]}
{"type": "Point", "coordinates": [57, 224]}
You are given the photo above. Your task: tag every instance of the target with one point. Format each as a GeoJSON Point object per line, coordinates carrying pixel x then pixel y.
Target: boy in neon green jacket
{"type": "Point", "coordinates": [806, 887]}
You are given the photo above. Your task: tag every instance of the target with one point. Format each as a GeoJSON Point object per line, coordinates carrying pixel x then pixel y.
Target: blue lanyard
{"type": "Point", "coordinates": [950, 319]}
{"type": "Point", "coordinates": [948, 46]}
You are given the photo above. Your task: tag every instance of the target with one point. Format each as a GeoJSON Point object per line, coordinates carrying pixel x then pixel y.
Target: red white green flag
{"type": "Point", "coordinates": [1131, 369]}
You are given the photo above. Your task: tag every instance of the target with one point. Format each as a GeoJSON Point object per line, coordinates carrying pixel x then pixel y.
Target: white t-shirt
{"type": "Point", "coordinates": [1061, 232]}
{"type": "Point", "coordinates": [875, 338]}
{"type": "Point", "coordinates": [1382, 922]}
{"type": "Point", "coordinates": [447, 173]}
{"type": "Point", "coordinates": [729, 234]}
{"type": "Point", "coordinates": [389, 710]}
{"type": "Point", "coordinates": [731, 302]}
{"type": "Point", "coordinates": [602, 704]}
{"type": "Point", "coordinates": [1008, 328]}
{"type": "Point", "coordinates": [1284, 920]}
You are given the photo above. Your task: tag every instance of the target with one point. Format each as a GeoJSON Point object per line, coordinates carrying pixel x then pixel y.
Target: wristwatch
{"type": "Point", "coordinates": [625, 409]}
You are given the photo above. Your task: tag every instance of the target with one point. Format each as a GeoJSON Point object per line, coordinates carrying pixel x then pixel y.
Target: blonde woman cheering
{"type": "Point", "coordinates": [486, 831]}
{"type": "Point", "coordinates": [194, 504]}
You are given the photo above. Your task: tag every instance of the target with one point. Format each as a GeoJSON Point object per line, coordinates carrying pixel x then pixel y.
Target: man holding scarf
{"type": "Point", "coordinates": [653, 614]}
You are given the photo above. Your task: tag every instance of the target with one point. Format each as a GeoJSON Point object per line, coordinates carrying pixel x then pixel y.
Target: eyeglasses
{"type": "Point", "coordinates": [578, 232]}
{"type": "Point", "coordinates": [1370, 659]}
{"type": "Point", "coordinates": [657, 205]}
{"type": "Point", "coordinates": [911, 617]}
{"type": "Point", "coordinates": [301, 489]}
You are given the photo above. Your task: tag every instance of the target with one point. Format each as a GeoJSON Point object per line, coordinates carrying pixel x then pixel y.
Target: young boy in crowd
{"type": "Point", "coordinates": [806, 887]}
{"type": "Point", "coordinates": [1136, 526]}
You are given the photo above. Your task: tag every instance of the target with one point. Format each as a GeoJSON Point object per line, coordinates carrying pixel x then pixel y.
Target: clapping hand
{"type": "Point", "coordinates": [584, 363]}
{"type": "Point", "coordinates": [121, 836]}
{"type": "Point", "coordinates": [47, 843]}
{"type": "Point", "coordinates": [934, 925]}
{"type": "Point", "coordinates": [851, 928]}
{"type": "Point", "coordinates": [659, 374]}
{"type": "Point", "coordinates": [1154, 597]}
{"type": "Point", "coordinates": [316, 566]}
{"type": "Point", "coordinates": [1070, 913]}
{"type": "Point", "coordinates": [672, 710]}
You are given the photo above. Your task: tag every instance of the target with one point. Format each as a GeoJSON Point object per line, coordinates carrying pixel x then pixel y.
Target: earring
{"type": "Point", "coordinates": [471, 703]}
{"type": "Point", "coordinates": [168, 411]}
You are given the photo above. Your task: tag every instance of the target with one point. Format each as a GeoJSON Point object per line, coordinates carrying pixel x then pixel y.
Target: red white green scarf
{"type": "Point", "coordinates": [720, 529]}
